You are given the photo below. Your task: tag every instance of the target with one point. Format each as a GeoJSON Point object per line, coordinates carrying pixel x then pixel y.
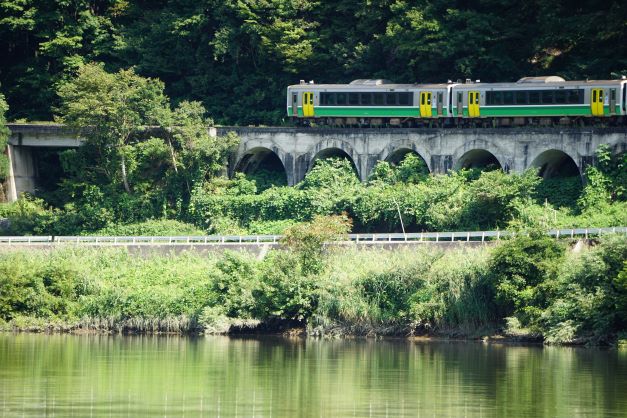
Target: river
{"type": "Point", "coordinates": [68, 375]}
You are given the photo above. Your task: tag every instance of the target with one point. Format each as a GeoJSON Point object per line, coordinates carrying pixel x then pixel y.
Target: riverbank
{"type": "Point", "coordinates": [519, 289]}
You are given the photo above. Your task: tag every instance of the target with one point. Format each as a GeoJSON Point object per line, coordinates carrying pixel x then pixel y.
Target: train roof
{"type": "Point", "coordinates": [352, 86]}
{"type": "Point", "coordinates": [523, 83]}
{"type": "Point", "coordinates": [528, 84]}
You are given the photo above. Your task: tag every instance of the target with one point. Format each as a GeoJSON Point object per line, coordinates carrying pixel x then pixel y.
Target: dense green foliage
{"type": "Point", "coordinates": [238, 57]}
{"type": "Point", "coordinates": [530, 286]}
{"type": "Point", "coordinates": [466, 200]}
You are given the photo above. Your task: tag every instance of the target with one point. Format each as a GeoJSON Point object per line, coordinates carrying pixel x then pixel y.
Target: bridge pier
{"type": "Point", "coordinates": [23, 172]}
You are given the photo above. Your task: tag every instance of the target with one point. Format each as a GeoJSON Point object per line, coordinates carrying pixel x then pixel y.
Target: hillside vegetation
{"type": "Point", "coordinates": [237, 57]}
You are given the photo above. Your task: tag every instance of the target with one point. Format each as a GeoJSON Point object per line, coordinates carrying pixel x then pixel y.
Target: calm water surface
{"type": "Point", "coordinates": [64, 375]}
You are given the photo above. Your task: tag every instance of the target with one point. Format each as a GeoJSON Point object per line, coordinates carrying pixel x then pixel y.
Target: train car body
{"type": "Point", "coordinates": [367, 99]}
{"type": "Point", "coordinates": [539, 97]}
{"type": "Point", "coordinates": [378, 102]}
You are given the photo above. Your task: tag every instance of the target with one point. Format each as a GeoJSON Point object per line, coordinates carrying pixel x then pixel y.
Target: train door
{"type": "Point", "coordinates": [612, 101]}
{"type": "Point", "coordinates": [294, 104]}
{"type": "Point", "coordinates": [460, 104]}
{"type": "Point", "coordinates": [308, 105]}
{"type": "Point", "coordinates": [596, 102]}
{"type": "Point", "coordinates": [440, 103]}
{"type": "Point", "coordinates": [473, 104]}
{"type": "Point", "coordinates": [425, 104]}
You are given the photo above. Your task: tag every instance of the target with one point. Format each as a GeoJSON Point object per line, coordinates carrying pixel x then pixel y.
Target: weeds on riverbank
{"type": "Point", "coordinates": [525, 287]}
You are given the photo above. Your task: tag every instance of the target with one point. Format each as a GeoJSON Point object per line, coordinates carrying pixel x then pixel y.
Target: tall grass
{"type": "Point", "coordinates": [374, 292]}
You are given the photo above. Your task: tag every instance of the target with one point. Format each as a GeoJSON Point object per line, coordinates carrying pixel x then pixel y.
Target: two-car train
{"type": "Point", "coordinates": [531, 100]}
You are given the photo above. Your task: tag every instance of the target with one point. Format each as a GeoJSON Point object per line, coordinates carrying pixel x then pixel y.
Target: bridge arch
{"type": "Point", "coordinates": [477, 158]}
{"type": "Point", "coordinates": [333, 149]}
{"type": "Point", "coordinates": [259, 158]}
{"type": "Point", "coordinates": [555, 163]}
{"type": "Point", "coordinates": [480, 153]}
{"type": "Point", "coordinates": [333, 153]}
{"type": "Point", "coordinates": [395, 153]}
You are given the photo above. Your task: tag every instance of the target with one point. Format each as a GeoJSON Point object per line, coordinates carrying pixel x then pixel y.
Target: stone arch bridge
{"type": "Point", "coordinates": [554, 151]}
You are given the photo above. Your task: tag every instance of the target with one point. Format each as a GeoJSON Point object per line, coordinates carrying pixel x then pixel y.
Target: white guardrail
{"type": "Point", "coordinates": [475, 236]}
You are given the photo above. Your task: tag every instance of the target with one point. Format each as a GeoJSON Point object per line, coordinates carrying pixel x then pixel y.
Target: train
{"type": "Point", "coordinates": [547, 100]}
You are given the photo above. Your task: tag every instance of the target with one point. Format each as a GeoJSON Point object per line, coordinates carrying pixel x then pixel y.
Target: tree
{"type": "Point", "coordinates": [307, 239]}
{"type": "Point", "coordinates": [107, 109]}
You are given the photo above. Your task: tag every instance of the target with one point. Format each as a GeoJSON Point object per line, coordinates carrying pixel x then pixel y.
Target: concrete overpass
{"type": "Point", "coordinates": [555, 151]}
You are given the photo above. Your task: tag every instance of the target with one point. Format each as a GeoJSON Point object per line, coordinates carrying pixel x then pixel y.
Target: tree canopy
{"type": "Point", "coordinates": [237, 57]}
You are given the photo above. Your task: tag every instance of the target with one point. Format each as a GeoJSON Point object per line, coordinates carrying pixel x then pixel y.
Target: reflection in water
{"type": "Point", "coordinates": [67, 375]}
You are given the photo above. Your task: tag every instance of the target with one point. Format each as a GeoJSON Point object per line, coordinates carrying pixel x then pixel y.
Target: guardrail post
{"type": "Point", "coordinates": [421, 236]}
{"type": "Point", "coordinates": [468, 237]}
{"type": "Point", "coordinates": [482, 236]}
{"type": "Point", "coordinates": [557, 234]}
{"type": "Point", "coordinates": [437, 237]}
{"type": "Point", "coordinates": [498, 235]}
{"type": "Point", "coordinates": [452, 236]}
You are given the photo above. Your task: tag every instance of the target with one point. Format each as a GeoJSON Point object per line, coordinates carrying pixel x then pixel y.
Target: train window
{"type": "Point", "coordinates": [534, 97]}
{"type": "Point", "coordinates": [340, 99]}
{"type": "Point", "coordinates": [404, 99]}
{"type": "Point", "coordinates": [378, 98]}
{"type": "Point", "coordinates": [560, 96]}
{"type": "Point", "coordinates": [498, 97]}
{"type": "Point", "coordinates": [575, 97]}
{"type": "Point", "coordinates": [547, 97]}
{"type": "Point", "coordinates": [521, 97]}
{"type": "Point", "coordinates": [390, 99]}
{"type": "Point", "coordinates": [613, 94]}
{"type": "Point", "coordinates": [508, 97]}
{"type": "Point", "coordinates": [366, 99]}
{"type": "Point", "coordinates": [353, 98]}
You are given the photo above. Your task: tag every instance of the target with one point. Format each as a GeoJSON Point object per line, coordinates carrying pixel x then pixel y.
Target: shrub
{"type": "Point", "coordinates": [522, 270]}
{"type": "Point", "coordinates": [307, 239]}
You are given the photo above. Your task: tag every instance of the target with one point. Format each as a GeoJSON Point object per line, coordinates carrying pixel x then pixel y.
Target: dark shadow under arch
{"type": "Point", "coordinates": [265, 165]}
{"type": "Point", "coordinates": [555, 163]}
{"type": "Point", "coordinates": [479, 159]}
{"type": "Point", "coordinates": [333, 153]}
{"type": "Point", "coordinates": [395, 157]}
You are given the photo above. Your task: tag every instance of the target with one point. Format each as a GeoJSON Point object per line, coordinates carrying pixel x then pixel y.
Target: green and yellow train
{"type": "Point", "coordinates": [531, 100]}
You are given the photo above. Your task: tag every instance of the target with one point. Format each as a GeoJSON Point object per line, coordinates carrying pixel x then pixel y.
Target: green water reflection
{"type": "Point", "coordinates": [65, 375]}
